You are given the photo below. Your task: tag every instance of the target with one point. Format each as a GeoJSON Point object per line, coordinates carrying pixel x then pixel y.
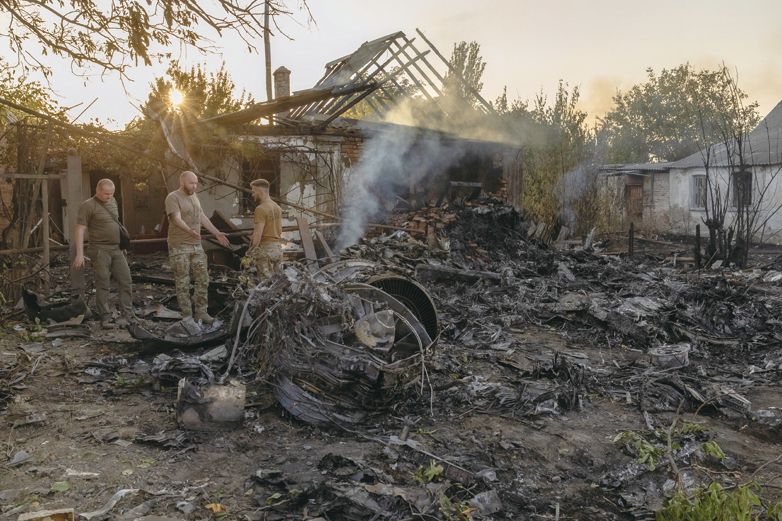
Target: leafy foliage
{"type": "Point", "coordinates": [467, 63]}
{"type": "Point", "coordinates": [427, 475]}
{"type": "Point", "coordinates": [648, 454]}
{"type": "Point", "coordinates": [556, 141]}
{"type": "Point", "coordinates": [711, 447]}
{"type": "Point", "coordinates": [18, 88]}
{"type": "Point", "coordinates": [205, 94]}
{"type": "Point", "coordinates": [454, 510]}
{"type": "Point", "coordinates": [116, 34]}
{"type": "Point", "coordinates": [713, 503]}
{"type": "Point", "coordinates": [672, 115]}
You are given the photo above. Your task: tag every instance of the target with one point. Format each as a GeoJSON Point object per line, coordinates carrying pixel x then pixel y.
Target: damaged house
{"type": "Point", "coordinates": [322, 162]}
{"type": "Point", "coordinates": [377, 134]}
{"type": "Point", "coordinates": [673, 196]}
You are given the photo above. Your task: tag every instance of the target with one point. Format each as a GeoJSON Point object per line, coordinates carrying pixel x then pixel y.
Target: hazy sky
{"type": "Point", "coordinates": [528, 46]}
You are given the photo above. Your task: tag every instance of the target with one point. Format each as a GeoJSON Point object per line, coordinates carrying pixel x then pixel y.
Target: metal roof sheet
{"type": "Point", "coordinates": [763, 146]}
{"type": "Point", "coordinates": [772, 121]}
{"type": "Point", "coordinates": [642, 167]}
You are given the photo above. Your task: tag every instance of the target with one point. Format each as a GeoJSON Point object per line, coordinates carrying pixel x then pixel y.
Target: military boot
{"type": "Point", "coordinates": [203, 316]}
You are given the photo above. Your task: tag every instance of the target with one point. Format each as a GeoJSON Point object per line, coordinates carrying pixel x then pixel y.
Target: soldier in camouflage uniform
{"type": "Point", "coordinates": [184, 246]}
{"type": "Point", "coordinates": [265, 251]}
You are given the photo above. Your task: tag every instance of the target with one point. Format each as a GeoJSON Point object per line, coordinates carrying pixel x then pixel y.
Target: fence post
{"type": "Point", "coordinates": [75, 198]}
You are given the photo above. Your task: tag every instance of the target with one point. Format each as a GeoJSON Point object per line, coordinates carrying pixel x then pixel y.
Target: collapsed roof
{"type": "Point", "coordinates": [373, 73]}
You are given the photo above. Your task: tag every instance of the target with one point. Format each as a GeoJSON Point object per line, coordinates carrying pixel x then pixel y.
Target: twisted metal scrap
{"type": "Point", "coordinates": [302, 340]}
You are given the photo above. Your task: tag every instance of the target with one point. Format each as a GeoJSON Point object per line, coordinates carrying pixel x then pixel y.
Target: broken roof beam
{"type": "Point", "coordinates": [355, 77]}
{"type": "Point", "coordinates": [367, 60]}
{"type": "Point", "coordinates": [377, 110]}
{"type": "Point", "coordinates": [420, 70]}
{"type": "Point", "coordinates": [262, 110]}
{"type": "Point", "coordinates": [366, 45]}
{"type": "Point", "coordinates": [489, 108]}
{"type": "Point", "coordinates": [325, 107]}
{"type": "Point", "coordinates": [357, 99]}
{"type": "Point", "coordinates": [336, 108]}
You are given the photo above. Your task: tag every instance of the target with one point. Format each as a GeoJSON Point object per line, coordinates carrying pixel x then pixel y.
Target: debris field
{"type": "Point", "coordinates": [467, 372]}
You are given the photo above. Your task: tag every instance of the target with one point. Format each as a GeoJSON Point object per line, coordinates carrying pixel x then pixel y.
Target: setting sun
{"type": "Point", "coordinates": [176, 97]}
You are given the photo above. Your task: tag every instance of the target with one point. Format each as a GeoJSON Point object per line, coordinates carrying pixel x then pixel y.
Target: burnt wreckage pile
{"type": "Point", "coordinates": [365, 327]}
{"type": "Point", "coordinates": [337, 344]}
{"type": "Point", "coordinates": [411, 343]}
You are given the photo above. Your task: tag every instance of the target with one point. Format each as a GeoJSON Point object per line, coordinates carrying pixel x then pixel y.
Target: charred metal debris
{"type": "Point", "coordinates": [381, 327]}
{"type": "Point", "coordinates": [401, 329]}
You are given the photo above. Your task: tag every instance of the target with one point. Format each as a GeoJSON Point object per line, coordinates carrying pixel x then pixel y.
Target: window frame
{"type": "Point", "coordinates": [695, 191]}
{"type": "Point", "coordinates": [738, 202]}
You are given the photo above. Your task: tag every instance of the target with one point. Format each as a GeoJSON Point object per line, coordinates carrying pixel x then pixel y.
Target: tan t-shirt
{"type": "Point", "coordinates": [270, 214]}
{"type": "Point", "coordinates": [102, 231]}
{"type": "Point", "coordinates": [189, 207]}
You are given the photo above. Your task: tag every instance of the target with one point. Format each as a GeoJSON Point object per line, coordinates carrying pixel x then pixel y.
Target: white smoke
{"type": "Point", "coordinates": [394, 159]}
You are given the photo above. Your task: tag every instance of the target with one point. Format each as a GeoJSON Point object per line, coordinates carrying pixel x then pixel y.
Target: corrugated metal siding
{"type": "Point", "coordinates": [761, 148]}
{"type": "Point", "coordinates": [772, 121]}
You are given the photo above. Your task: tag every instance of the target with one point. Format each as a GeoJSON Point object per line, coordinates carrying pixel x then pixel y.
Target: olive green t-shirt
{"type": "Point", "coordinates": [189, 207]}
{"type": "Point", "coordinates": [102, 230]}
{"type": "Point", "coordinates": [270, 214]}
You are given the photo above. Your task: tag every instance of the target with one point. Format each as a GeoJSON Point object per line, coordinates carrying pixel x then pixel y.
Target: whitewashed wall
{"type": "Point", "coordinates": [684, 216]}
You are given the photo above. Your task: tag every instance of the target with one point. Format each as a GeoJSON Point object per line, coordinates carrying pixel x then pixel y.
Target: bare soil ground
{"type": "Point", "coordinates": [558, 462]}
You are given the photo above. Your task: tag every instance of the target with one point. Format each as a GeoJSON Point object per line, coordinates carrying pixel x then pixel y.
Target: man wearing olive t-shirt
{"type": "Point", "coordinates": [265, 250]}
{"type": "Point", "coordinates": [185, 252]}
{"type": "Point", "coordinates": [99, 217]}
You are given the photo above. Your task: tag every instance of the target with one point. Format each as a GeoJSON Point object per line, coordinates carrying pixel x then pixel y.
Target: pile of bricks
{"type": "Point", "coordinates": [427, 219]}
{"type": "Point", "coordinates": [431, 219]}
{"type": "Point", "coordinates": [502, 193]}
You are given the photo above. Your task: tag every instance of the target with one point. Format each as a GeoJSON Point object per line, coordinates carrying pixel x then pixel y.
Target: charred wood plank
{"type": "Point", "coordinates": [308, 244]}
{"type": "Point", "coordinates": [428, 273]}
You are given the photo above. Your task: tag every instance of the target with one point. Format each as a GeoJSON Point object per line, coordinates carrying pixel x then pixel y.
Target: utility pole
{"type": "Point", "coordinates": [267, 46]}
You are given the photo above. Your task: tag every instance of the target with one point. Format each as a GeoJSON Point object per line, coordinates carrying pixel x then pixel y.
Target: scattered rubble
{"type": "Point", "coordinates": [473, 372]}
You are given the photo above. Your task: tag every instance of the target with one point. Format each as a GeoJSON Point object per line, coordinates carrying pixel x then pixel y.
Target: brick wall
{"type": "Point", "coordinates": [351, 145]}
{"type": "Point", "coordinates": [656, 214]}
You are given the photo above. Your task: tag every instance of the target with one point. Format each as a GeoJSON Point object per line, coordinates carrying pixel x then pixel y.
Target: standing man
{"type": "Point", "coordinates": [265, 250]}
{"type": "Point", "coordinates": [185, 252]}
{"type": "Point", "coordinates": [100, 216]}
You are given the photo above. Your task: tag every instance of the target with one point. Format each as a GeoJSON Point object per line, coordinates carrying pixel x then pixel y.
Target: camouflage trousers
{"type": "Point", "coordinates": [266, 258]}
{"type": "Point", "coordinates": [184, 258]}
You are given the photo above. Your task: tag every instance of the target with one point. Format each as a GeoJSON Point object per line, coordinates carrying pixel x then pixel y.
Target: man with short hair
{"type": "Point", "coordinates": [99, 215]}
{"type": "Point", "coordinates": [265, 250]}
{"type": "Point", "coordinates": [185, 252]}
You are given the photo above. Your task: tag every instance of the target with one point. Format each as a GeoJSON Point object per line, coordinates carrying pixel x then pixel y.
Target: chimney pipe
{"type": "Point", "coordinates": [282, 86]}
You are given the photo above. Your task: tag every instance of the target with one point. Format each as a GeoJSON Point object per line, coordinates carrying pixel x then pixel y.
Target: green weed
{"type": "Point", "coordinates": [648, 454]}
{"type": "Point", "coordinates": [714, 503]}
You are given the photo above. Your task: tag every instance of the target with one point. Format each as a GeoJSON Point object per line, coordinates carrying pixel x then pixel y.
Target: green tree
{"type": "Point", "coordinates": [671, 116]}
{"type": "Point", "coordinates": [556, 140]}
{"type": "Point", "coordinates": [204, 94]}
{"type": "Point", "coordinates": [469, 65]}
{"type": "Point", "coordinates": [19, 89]}
{"type": "Point", "coordinates": [21, 150]}
{"type": "Point", "coordinates": [116, 34]}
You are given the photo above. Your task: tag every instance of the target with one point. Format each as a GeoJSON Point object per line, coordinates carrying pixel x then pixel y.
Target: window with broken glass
{"type": "Point", "coordinates": [742, 189]}
{"type": "Point", "coordinates": [699, 191]}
